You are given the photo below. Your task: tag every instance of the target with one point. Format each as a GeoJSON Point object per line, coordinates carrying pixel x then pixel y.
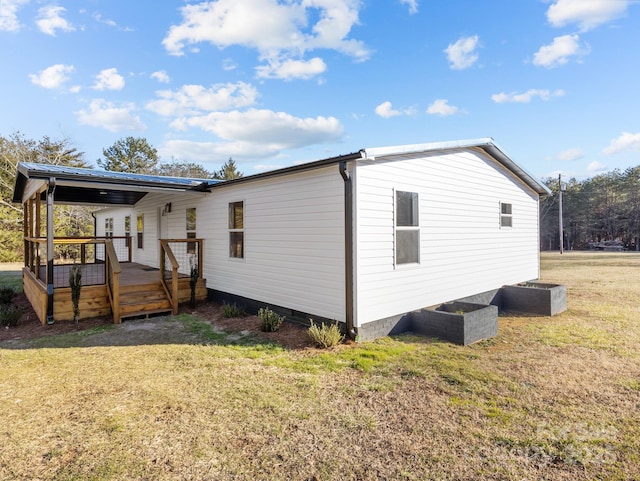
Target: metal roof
{"type": "Point", "coordinates": [92, 186]}
{"type": "Point", "coordinates": [487, 145]}
{"type": "Point", "coordinates": [99, 187]}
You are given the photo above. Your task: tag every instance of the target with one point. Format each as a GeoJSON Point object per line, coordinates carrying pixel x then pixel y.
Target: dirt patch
{"type": "Point", "coordinates": [290, 335]}
{"type": "Point", "coordinates": [29, 326]}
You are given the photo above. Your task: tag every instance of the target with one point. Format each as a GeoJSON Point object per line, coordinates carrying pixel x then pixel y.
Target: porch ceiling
{"type": "Point", "coordinates": [67, 194]}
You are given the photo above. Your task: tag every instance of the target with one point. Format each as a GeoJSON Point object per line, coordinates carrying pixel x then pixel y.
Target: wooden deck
{"type": "Point", "coordinates": [141, 292]}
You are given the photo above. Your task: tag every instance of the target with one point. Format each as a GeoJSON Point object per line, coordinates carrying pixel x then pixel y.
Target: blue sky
{"type": "Point", "coordinates": [274, 83]}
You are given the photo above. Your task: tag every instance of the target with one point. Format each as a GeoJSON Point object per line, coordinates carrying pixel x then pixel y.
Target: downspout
{"type": "Point", "coordinates": [348, 249]}
{"type": "Point", "coordinates": [50, 191]}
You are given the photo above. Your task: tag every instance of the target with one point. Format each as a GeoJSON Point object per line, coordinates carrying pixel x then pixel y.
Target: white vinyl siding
{"type": "Point", "coordinates": [151, 206]}
{"type": "Point", "coordinates": [117, 217]}
{"type": "Point", "coordinates": [463, 250]}
{"type": "Point", "coordinates": [293, 242]}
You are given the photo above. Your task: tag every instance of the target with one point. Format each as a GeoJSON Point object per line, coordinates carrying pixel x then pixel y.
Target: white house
{"type": "Point", "coordinates": [362, 238]}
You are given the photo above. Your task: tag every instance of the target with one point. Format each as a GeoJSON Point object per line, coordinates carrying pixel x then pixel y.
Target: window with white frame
{"type": "Point", "coordinates": [191, 229]}
{"type": "Point", "coordinates": [236, 229]}
{"type": "Point", "coordinates": [506, 215]}
{"type": "Point", "coordinates": [407, 228]}
{"type": "Point", "coordinates": [108, 227]}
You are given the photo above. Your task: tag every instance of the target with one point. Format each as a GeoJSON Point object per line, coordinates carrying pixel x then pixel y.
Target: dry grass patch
{"type": "Point", "coordinates": [177, 398]}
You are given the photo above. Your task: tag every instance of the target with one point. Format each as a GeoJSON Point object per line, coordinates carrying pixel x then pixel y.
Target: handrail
{"type": "Point", "coordinates": [113, 279]}
{"type": "Point", "coordinates": [165, 250]}
{"type": "Point", "coordinates": [82, 242]}
{"type": "Point", "coordinates": [76, 240]}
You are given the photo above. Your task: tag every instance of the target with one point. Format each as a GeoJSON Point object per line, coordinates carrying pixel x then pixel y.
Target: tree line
{"type": "Point", "coordinates": [598, 210]}
{"type": "Point", "coordinates": [130, 154]}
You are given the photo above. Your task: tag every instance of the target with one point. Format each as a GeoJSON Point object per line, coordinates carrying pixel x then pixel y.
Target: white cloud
{"type": "Point", "coordinates": [412, 4]}
{"type": "Point", "coordinates": [110, 23]}
{"type": "Point", "coordinates": [102, 113]}
{"type": "Point", "coordinates": [52, 77]}
{"type": "Point", "coordinates": [204, 152]}
{"type": "Point", "coordinates": [109, 79]}
{"type": "Point", "coordinates": [278, 31]}
{"type": "Point", "coordinates": [587, 14]}
{"type": "Point", "coordinates": [274, 131]}
{"type": "Point", "coordinates": [9, 14]}
{"type": "Point", "coordinates": [228, 65]}
{"type": "Point", "coordinates": [266, 167]}
{"type": "Point", "coordinates": [596, 167]}
{"type": "Point", "coordinates": [292, 69]}
{"type": "Point", "coordinates": [526, 97]}
{"type": "Point", "coordinates": [441, 107]}
{"type": "Point", "coordinates": [195, 99]}
{"type": "Point", "coordinates": [462, 54]}
{"type": "Point", "coordinates": [161, 76]}
{"type": "Point", "coordinates": [626, 142]}
{"type": "Point", "coordinates": [570, 154]}
{"type": "Point", "coordinates": [386, 110]}
{"type": "Point", "coordinates": [559, 52]}
{"type": "Point", "coordinates": [50, 19]}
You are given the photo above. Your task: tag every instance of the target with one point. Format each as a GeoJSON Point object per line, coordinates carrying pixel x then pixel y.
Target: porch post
{"type": "Point", "coordinates": [25, 231]}
{"type": "Point", "coordinates": [37, 231]}
{"type": "Point", "coordinates": [50, 230]}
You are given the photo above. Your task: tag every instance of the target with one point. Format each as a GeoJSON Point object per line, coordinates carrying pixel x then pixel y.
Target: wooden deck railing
{"type": "Point", "coordinates": [177, 259]}
{"type": "Point", "coordinates": [113, 270]}
{"type": "Point", "coordinates": [167, 256]}
{"type": "Point", "coordinates": [86, 251]}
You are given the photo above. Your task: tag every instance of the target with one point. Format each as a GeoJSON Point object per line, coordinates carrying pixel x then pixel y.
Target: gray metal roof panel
{"type": "Point", "coordinates": [32, 170]}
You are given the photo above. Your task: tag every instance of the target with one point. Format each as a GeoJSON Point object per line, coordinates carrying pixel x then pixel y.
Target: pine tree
{"type": "Point", "coordinates": [228, 171]}
{"type": "Point", "coordinates": [133, 154]}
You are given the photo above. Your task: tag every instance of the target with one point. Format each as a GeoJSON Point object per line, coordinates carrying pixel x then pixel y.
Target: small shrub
{"type": "Point", "coordinates": [325, 336]}
{"type": "Point", "coordinates": [9, 315]}
{"type": "Point", "coordinates": [269, 320]}
{"type": "Point", "coordinates": [75, 282]}
{"type": "Point", "coordinates": [232, 310]}
{"type": "Point", "coordinates": [6, 294]}
{"type": "Point", "coordinates": [194, 275]}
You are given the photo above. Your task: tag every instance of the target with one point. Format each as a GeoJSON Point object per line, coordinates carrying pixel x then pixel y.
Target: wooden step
{"type": "Point", "coordinates": [147, 314]}
{"type": "Point", "coordinates": [139, 301]}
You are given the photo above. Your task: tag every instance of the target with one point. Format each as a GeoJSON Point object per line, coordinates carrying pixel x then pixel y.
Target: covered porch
{"type": "Point", "coordinates": [112, 284]}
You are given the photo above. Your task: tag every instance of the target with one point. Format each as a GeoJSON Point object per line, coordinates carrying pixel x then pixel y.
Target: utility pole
{"type": "Point", "coordinates": [560, 227]}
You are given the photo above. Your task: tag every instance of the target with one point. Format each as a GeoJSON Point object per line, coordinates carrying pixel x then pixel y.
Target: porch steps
{"type": "Point", "coordinates": [143, 300]}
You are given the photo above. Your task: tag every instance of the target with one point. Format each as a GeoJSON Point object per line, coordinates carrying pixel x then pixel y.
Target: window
{"type": "Point", "coordinates": [236, 229]}
{"type": "Point", "coordinates": [407, 228]}
{"type": "Point", "coordinates": [127, 229]}
{"type": "Point", "coordinates": [140, 231]}
{"type": "Point", "coordinates": [108, 227]}
{"type": "Point", "coordinates": [191, 230]}
{"type": "Point", "coordinates": [506, 217]}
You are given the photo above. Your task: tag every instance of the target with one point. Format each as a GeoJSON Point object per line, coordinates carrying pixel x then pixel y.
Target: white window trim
{"type": "Point", "coordinates": [397, 228]}
{"type": "Point", "coordinates": [230, 230]}
{"type": "Point", "coordinates": [502, 216]}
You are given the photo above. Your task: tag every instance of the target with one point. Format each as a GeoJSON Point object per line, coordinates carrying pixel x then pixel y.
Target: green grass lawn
{"type": "Point", "coordinates": [11, 276]}
{"type": "Point", "coordinates": [549, 398]}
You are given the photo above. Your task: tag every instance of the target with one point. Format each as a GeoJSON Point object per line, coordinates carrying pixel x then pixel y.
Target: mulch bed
{"type": "Point", "coordinates": [290, 335]}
